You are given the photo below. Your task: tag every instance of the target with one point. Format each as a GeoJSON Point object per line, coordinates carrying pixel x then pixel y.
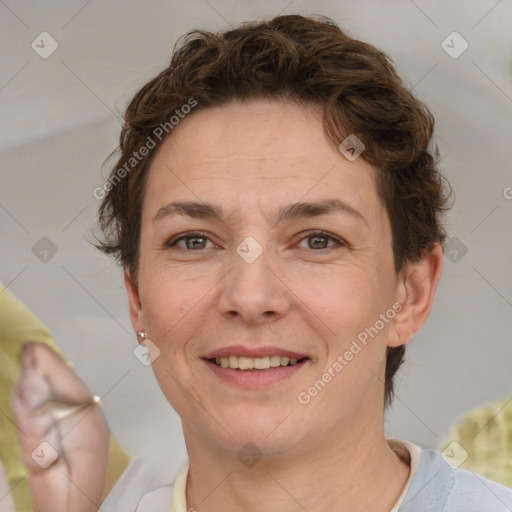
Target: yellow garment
{"type": "Point", "coordinates": [179, 493]}
{"type": "Point", "coordinates": [17, 327]}
{"type": "Point", "coordinates": [485, 433]}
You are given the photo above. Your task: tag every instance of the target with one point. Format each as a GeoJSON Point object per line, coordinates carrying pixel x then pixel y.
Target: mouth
{"type": "Point", "coordinates": [255, 364]}
{"type": "Point", "coordinates": [256, 368]}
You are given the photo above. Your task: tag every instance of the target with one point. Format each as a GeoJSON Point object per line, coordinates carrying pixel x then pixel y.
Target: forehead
{"type": "Point", "coordinates": [252, 152]}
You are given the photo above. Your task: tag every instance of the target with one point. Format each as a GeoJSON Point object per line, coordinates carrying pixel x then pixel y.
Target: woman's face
{"type": "Point", "coordinates": [245, 272]}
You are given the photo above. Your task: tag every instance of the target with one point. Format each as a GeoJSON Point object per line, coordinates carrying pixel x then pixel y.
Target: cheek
{"type": "Point", "coordinates": [345, 298]}
{"type": "Point", "coordinates": [174, 305]}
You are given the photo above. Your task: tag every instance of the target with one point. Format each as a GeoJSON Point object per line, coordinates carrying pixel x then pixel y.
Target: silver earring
{"type": "Point", "coordinates": [142, 336]}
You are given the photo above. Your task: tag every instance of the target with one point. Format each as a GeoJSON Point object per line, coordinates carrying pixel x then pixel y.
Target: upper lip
{"type": "Point", "coordinates": [253, 352]}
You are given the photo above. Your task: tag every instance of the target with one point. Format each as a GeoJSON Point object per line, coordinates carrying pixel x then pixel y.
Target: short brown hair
{"type": "Point", "coordinates": [306, 59]}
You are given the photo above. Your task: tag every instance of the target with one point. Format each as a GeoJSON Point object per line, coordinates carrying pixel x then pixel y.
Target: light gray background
{"type": "Point", "coordinates": [60, 119]}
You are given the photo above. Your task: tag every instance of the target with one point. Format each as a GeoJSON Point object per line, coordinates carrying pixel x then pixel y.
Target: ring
{"type": "Point", "coordinates": [60, 409]}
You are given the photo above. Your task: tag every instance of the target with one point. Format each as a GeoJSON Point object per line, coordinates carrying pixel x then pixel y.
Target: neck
{"type": "Point", "coordinates": [350, 473]}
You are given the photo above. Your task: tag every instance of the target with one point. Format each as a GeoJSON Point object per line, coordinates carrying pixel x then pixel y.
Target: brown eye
{"type": "Point", "coordinates": [193, 242]}
{"type": "Point", "coordinates": [320, 240]}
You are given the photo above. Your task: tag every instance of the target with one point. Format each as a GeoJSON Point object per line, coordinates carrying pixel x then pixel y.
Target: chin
{"type": "Point", "coordinates": [268, 433]}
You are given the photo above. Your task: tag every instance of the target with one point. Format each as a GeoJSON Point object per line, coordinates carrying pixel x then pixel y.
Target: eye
{"type": "Point", "coordinates": [196, 240]}
{"type": "Point", "coordinates": [320, 240]}
{"type": "Point", "coordinates": [193, 241]}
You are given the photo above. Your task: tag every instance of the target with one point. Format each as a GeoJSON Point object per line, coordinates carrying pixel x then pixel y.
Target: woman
{"type": "Point", "coordinates": [277, 211]}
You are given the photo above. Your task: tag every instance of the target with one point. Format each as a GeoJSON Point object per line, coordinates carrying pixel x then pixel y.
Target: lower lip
{"type": "Point", "coordinates": [257, 379]}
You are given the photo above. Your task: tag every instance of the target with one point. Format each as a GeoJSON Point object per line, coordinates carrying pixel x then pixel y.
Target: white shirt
{"type": "Point", "coordinates": [433, 485]}
{"type": "Point", "coordinates": [139, 489]}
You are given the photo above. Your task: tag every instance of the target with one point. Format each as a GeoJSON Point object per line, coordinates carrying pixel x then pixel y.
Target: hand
{"type": "Point", "coordinates": [52, 406]}
{"type": "Point", "coordinates": [6, 502]}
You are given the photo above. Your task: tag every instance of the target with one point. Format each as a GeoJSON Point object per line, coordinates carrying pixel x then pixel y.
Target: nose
{"type": "Point", "coordinates": [253, 290]}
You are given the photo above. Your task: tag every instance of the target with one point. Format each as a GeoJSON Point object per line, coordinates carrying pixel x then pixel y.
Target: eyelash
{"type": "Point", "coordinates": [197, 234]}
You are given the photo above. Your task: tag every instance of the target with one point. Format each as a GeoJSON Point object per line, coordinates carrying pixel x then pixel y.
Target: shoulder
{"type": "Point", "coordinates": [158, 500]}
{"type": "Point", "coordinates": [438, 485]}
{"type": "Point", "coordinates": [143, 487]}
{"type": "Point", "coordinates": [484, 432]}
{"type": "Point", "coordinates": [473, 492]}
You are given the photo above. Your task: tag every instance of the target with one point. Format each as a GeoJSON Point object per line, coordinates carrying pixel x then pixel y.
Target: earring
{"type": "Point", "coordinates": [142, 336]}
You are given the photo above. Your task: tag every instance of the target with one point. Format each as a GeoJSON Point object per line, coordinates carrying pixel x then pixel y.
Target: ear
{"type": "Point", "coordinates": [136, 314]}
{"type": "Point", "coordinates": [416, 291]}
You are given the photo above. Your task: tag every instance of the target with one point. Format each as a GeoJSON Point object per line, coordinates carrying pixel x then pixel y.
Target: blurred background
{"type": "Point", "coordinates": [67, 71]}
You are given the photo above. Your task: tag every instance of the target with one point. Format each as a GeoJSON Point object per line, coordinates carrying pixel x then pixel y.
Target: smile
{"type": "Point", "coordinates": [257, 363]}
{"type": "Point", "coordinates": [255, 372]}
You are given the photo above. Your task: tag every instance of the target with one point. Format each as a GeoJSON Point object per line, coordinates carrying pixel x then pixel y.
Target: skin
{"type": "Point", "coordinates": [75, 480]}
{"type": "Point", "coordinates": [252, 158]}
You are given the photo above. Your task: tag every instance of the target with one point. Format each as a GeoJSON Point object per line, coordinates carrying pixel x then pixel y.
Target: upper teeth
{"type": "Point", "coordinates": [258, 363]}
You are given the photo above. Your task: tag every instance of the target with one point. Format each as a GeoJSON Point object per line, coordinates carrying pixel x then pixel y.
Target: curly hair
{"type": "Point", "coordinates": [305, 59]}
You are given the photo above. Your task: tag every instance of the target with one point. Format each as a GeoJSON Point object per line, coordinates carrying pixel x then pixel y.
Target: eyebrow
{"type": "Point", "coordinates": [294, 211]}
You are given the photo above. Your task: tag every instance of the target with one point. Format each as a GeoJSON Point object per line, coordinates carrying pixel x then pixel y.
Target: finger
{"type": "Point", "coordinates": [75, 480]}
{"type": "Point", "coordinates": [6, 501]}
{"type": "Point", "coordinates": [45, 379]}
{"type": "Point", "coordinates": [61, 379]}
{"type": "Point", "coordinates": [30, 391]}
